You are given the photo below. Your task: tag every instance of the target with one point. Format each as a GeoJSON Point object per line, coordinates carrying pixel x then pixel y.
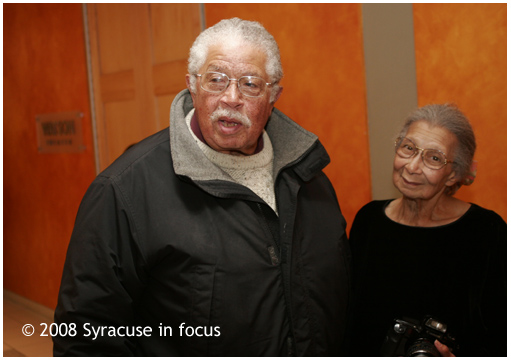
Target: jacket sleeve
{"type": "Point", "coordinates": [101, 279]}
{"type": "Point", "coordinates": [358, 234]}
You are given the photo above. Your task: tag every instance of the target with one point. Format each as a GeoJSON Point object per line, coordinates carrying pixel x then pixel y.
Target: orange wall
{"type": "Point", "coordinates": [44, 72]}
{"type": "Point", "coordinates": [461, 58]}
{"type": "Point", "coordinates": [324, 84]}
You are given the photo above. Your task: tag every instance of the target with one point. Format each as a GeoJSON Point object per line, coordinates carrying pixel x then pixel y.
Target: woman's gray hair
{"type": "Point", "coordinates": [449, 117]}
{"type": "Point", "coordinates": [250, 32]}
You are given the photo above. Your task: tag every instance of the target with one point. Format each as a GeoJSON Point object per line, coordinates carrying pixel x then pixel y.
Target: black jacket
{"type": "Point", "coordinates": [164, 239]}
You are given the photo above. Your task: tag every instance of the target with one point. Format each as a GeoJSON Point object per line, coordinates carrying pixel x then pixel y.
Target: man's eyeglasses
{"type": "Point", "coordinates": [251, 86]}
{"type": "Point", "coordinates": [432, 158]}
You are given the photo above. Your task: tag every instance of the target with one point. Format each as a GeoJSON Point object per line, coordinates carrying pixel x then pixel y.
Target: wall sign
{"type": "Point", "coordinates": [60, 132]}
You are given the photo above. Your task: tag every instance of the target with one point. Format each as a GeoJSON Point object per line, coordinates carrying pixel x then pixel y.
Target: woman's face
{"type": "Point", "coordinates": [411, 177]}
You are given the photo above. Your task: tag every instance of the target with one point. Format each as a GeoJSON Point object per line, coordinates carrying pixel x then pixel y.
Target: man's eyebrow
{"type": "Point", "coordinates": [213, 67]}
{"type": "Point", "coordinates": [219, 69]}
{"type": "Point", "coordinates": [252, 73]}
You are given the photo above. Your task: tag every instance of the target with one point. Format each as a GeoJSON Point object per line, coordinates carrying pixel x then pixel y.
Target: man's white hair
{"type": "Point", "coordinates": [235, 29]}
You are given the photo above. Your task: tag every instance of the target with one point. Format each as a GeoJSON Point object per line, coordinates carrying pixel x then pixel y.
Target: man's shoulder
{"type": "Point", "coordinates": [153, 148]}
{"type": "Point", "coordinates": [282, 128]}
{"type": "Point", "coordinates": [291, 143]}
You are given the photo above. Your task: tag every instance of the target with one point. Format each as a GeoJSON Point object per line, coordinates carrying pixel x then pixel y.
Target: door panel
{"type": "Point", "coordinates": [139, 57]}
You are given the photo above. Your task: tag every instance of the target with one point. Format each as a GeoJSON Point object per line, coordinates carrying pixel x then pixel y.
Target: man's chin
{"type": "Point", "coordinates": [233, 148]}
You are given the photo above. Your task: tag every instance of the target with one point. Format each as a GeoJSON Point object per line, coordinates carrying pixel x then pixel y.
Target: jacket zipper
{"type": "Point", "coordinates": [290, 340]}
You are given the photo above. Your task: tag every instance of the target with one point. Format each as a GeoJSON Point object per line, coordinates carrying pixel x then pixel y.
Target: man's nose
{"type": "Point", "coordinates": [231, 95]}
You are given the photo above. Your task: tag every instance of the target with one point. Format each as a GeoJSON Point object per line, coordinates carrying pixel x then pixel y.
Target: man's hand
{"type": "Point", "coordinates": [444, 350]}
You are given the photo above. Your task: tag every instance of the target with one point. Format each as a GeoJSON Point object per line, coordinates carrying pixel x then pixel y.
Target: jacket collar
{"type": "Point", "coordinates": [292, 145]}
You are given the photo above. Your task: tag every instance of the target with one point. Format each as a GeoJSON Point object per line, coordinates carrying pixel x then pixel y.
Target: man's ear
{"type": "Point", "coordinates": [277, 96]}
{"type": "Point", "coordinates": [189, 86]}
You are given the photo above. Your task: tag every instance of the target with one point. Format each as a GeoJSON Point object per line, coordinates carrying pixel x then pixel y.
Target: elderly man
{"type": "Point", "coordinates": [219, 236]}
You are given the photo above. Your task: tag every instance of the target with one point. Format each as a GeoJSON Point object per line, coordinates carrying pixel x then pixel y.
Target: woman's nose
{"type": "Point", "coordinates": [415, 162]}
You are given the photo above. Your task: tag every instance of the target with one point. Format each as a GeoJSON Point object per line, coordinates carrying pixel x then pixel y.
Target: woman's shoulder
{"type": "Point", "coordinates": [375, 205]}
{"type": "Point", "coordinates": [372, 209]}
{"type": "Point", "coordinates": [484, 215]}
{"type": "Point", "coordinates": [482, 224]}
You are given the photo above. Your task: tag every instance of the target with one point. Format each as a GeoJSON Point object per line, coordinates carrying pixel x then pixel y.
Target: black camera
{"type": "Point", "coordinates": [408, 337]}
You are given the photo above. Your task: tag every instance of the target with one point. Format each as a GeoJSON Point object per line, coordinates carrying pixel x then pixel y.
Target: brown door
{"type": "Point", "coordinates": [138, 55]}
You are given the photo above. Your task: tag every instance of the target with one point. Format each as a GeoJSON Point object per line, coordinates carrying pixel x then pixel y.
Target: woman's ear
{"type": "Point", "coordinates": [452, 179]}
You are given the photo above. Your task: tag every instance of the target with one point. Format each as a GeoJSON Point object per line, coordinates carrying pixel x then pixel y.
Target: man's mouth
{"type": "Point", "coordinates": [230, 119]}
{"type": "Point", "coordinates": [229, 126]}
{"type": "Point", "coordinates": [228, 123]}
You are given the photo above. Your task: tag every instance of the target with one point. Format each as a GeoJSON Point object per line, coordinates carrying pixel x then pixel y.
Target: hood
{"type": "Point", "coordinates": [292, 145]}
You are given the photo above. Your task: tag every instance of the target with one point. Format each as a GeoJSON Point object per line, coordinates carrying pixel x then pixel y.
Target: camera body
{"type": "Point", "coordinates": [408, 337]}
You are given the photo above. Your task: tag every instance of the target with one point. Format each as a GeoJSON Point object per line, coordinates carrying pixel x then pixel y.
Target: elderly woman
{"type": "Point", "coordinates": [428, 253]}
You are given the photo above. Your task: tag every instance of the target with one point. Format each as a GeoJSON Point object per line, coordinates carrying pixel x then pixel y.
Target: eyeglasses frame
{"type": "Point", "coordinates": [422, 150]}
{"type": "Point", "coordinates": [229, 83]}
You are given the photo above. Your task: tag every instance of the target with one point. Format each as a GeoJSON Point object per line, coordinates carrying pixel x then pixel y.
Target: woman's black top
{"type": "Point", "coordinates": [455, 272]}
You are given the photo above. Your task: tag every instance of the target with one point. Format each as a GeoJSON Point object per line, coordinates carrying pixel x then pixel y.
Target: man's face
{"type": "Point", "coordinates": [216, 112]}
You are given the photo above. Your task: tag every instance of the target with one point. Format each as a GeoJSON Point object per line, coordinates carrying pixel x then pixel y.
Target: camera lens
{"type": "Point", "coordinates": [422, 347]}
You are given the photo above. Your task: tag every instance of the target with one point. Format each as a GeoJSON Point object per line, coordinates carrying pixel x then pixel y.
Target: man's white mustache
{"type": "Point", "coordinates": [227, 113]}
